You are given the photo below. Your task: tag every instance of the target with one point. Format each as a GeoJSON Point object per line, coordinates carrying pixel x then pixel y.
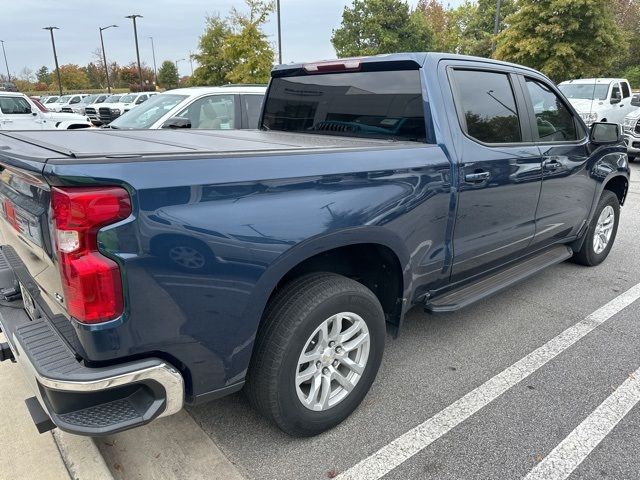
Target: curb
{"type": "Point", "coordinates": [81, 457]}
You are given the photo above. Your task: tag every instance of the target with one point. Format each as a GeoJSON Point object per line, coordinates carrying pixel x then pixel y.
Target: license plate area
{"type": "Point", "coordinates": [29, 305]}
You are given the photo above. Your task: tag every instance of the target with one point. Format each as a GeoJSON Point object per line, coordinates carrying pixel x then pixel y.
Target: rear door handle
{"type": "Point", "coordinates": [477, 177]}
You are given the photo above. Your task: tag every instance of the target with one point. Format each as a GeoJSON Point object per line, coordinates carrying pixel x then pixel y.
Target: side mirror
{"type": "Point", "coordinates": [605, 133]}
{"type": "Point", "coordinates": [616, 99]}
{"type": "Point", "coordinates": [177, 122]}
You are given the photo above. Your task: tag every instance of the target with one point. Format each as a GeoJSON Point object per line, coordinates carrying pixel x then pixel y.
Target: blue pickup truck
{"type": "Point", "coordinates": [143, 271]}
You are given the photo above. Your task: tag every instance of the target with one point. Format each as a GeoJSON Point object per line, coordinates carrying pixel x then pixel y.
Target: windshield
{"type": "Point", "coordinates": [360, 104]}
{"type": "Point", "coordinates": [586, 91]}
{"type": "Point", "coordinates": [148, 113]}
{"type": "Point", "coordinates": [52, 100]}
{"type": "Point", "coordinates": [64, 99]}
{"type": "Point", "coordinates": [113, 99]}
{"type": "Point", "coordinates": [128, 98]}
{"type": "Point", "coordinates": [89, 99]}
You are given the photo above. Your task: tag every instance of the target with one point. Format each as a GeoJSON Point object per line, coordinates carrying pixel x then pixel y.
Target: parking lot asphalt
{"type": "Point", "coordinates": [438, 359]}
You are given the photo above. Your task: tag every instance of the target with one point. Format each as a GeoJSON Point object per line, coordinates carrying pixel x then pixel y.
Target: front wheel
{"type": "Point", "coordinates": [602, 231]}
{"type": "Point", "coordinates": [317, 353]}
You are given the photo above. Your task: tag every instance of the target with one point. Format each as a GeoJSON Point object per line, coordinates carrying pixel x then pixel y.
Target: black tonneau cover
{"type": "Point", "coordinates": [68, 145]}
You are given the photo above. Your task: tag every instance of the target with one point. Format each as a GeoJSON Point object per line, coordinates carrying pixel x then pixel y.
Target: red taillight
{"type": "Point", "coordinates": [91, 282]}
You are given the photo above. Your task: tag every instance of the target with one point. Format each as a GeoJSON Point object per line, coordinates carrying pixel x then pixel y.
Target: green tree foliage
{"type": "Point", "coordinates": [627, 17]}
{"type": "Point", "coordinates": [72, 77]}
{"type": "Point", "coordinates": [43, 75]}
{"type": "Point", "coordinates": [235, 49]}
{"type": "Point", "coordinates": [562, 38]}
{"type": "Point", "coordinates": [168, 75]}
{"type": "Point", "coordinates": [95, 74]}
{"type": "Point", "coordinates": [467, 29]}
{"type": "Point", "coordinates": [633, 75]}
{"type": "Point", "coordinates": [371, 27]}
{"type": "Point", "coordinates": [440, 20]}
{"type": "Point", "coordinates": [213, 66]}
{"type": "Point", "coordinates": [247, 48]}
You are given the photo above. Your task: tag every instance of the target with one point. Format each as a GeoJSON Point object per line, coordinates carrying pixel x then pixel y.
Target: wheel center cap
{"type": "Point", "coordinates": [327, 356]}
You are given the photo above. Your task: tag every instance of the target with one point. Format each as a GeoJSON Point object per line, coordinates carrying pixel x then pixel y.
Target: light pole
{"type": "Point", "coordinates": [179, 60]}
{"type": "Point", "coordinates": [135, 34]}
{"type": "Point", "coordinates": [104, 56]}
{"type": "Point", "coordinates": [5, 61]}
{"type": "Point", "coordinates": [155, 70]}
{"type": "Point", "coordinates": [279, 34]}
{"type": "Point", "coordinates": [55, 56]}
{"type": "Point", "coordinates": [496, 25]}
{"type": "Point", "coordinates": [191, 61]}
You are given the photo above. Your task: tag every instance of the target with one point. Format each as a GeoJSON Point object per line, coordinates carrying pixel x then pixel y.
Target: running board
{"type": "Point", "coordinates": [486, 286]}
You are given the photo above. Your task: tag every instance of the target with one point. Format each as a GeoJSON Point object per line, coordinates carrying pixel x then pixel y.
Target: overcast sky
{"type": "Point", "coordinates": [174, 24]}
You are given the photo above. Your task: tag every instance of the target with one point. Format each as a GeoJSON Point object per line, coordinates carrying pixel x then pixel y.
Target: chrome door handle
{"type": "Point", "coordinates": [551, 164]}
{"type": "Point", "coordinates": [477, 177]}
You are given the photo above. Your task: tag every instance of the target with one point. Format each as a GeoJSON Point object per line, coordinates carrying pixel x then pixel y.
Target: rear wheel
{"type": "Point", "coordinates": [601, 232]}
{"type": "Point", "coordinates": [317, 353]}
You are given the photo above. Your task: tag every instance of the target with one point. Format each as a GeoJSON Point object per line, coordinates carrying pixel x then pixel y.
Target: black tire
{"type": "Point", "coordinates": [291, 317]}
{"type": "Point", "coordinates": [587, 255]}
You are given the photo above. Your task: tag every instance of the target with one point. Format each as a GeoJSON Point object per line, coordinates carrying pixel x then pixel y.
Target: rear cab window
{"type": "Point", "coordinates": [370, 104]}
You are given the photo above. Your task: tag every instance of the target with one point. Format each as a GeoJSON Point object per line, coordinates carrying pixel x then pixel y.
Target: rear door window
{"type": "Point", "coordinates": [626, 91]}
{"type": "Point", "coordinates": [487, 106]}
{"type": "Point", "coordinates": [386, 104]}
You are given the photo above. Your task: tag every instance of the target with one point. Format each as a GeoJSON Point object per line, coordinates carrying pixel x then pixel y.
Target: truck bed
{"type": "Point", "coordinates": [71, 146]}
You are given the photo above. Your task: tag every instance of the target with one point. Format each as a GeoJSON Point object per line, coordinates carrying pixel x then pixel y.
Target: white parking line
{"type": "Point", "coordinates": [570, 453]}
{"type": "Point", "coordinates": [418, 438]}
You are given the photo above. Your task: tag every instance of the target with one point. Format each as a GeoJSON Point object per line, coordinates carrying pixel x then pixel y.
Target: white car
{"type": "Point", "coordinates": [599, 99]}
{"type": "Point", "coordinates": [66, 102]}
{"type": "Point", "coordinates": [129, 101]}
{"type": "Point", "coordinates": [100, 113]}
{"type": "Point", "coordinates": [632, 129]}
{"type": "Point", "coordinates": [215, 108]}
{"type": "Point", "coordinates": [19, 112]}
{"type": "Point", "coordinates": [79, 108]}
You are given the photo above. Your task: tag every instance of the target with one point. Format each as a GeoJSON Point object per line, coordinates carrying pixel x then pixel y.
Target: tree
{"type": "Point", "coordinates": [212, 65]}
{"type": "Point", "coordinates": [235, 49]}
{"type": "Point", "coordinates": [247, 48]}
{"type": "Point", "coordinates": [43, 75]}
{"type": "Point", "coordinates": [371, 27]}
{"type": "Point", "coordinates": [562, 38]}
{"type": "Point", "coordinates": [168, 75]}
{"type": "Point", "coordinates": [95, 74]}
{"type": "Point", "coordinates": [72, 77]}
{"type": "Point", "coordinates": [439, 20]}
{"type": "Point", "coordinates": [627, 17]}
{"type": "Point", "coordinates": [128, 77]}
{"type": "Point", "coordinates": [469, 29]}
